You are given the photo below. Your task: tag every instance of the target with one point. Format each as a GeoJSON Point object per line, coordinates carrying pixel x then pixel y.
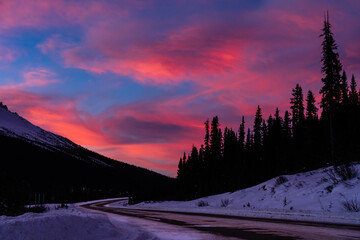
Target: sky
{"type": "Point", "coordinates": [136, 80]}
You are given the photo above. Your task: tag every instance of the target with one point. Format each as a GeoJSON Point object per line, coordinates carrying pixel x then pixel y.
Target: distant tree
{"type": "Point", "coordinates": [257, 129]}
{"type": "Point", "coordinates": [297, 107]}
{"type": "Point", "coordinates": [242, 134]}
{"type": "Point", "coordinates": [344, 87]}
{"type": "Point", "coordinates": [207, 141]}
{"type": "Point", "coordinates": [248, 140]}
{"type": "Point", "coordinates": [215, 140]}
{"type": "Point", "coordinates": [311, 109]}
{"type": "Point", "coordinates": [353, 94]}
{"type": "Point", "coordinates": [180, 169]}
{"type": "Point", "coordinates": [286, 126]}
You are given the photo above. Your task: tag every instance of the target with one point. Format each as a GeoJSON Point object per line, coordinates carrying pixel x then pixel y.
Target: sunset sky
{"type": "Point", "coordinates": [135, 80]}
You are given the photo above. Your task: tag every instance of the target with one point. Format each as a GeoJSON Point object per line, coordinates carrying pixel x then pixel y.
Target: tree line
{"type": "Point", "coordinates": [299, 140]}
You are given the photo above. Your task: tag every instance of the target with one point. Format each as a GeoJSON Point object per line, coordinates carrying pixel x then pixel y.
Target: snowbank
{"type": "Point", "coordinates": [66, 224]}
{"type": "Point", "coordinates": [310, 196]}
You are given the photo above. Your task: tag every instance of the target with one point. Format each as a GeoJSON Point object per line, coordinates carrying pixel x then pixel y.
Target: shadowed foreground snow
{"type": "Point", "coordinates": [310, 196]}
{"type": "Point", "coordinates": [66, 224]}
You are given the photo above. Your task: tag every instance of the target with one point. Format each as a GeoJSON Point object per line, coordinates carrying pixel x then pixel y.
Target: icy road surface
{"type": "Point", "coordinates": [175, 225]}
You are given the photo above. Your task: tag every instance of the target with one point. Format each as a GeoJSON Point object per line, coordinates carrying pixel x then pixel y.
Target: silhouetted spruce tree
{"type": "Point", "coordinates": [207, 141]}
{"type": "Point", "coordinates": [311, 109]}
{"type": "Point", "coordinates": [331, 89]}
{"type": "Point", "coordinates": [242, 134]}
{"type": "Point", "coordinates": [215, 155]}
{"type": "Point", "coordinates": [353, 94]}
{"type": "Point", "coordinates": [344, 90]}
{"type": "Point", "coordinates": [257, 129]}
{"type": "Point", "coordinates": [297, 108]}
{"type": "Point", "coordinates": [194, 165]}
{"type": "Point", "coordinates": [215, 140]}
{"type": "Point", "coordinates": [298, 118]}
{"type": "Point", "coordinates": [353, 122]}
{"type": "Point", "coordinates": [248, 144]}
{"type": "Point", "coordinates": [287, 126]}
{"type": "Point", "coordinates": [331, 68]}
{"type": "Point", "coordinates": [180, 170]}
{"type": "Point", "coordinates": [312, 149]}
{"type": "Point", "coordinates": [230, 159]}
{"type": "Point", "coordinates": [276, 145]}
{"type": "Point", "coordinates": [287, 143]}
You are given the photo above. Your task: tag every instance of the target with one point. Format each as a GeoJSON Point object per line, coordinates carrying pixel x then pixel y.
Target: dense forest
{"type": "Point", "coordinates": [299, 140]}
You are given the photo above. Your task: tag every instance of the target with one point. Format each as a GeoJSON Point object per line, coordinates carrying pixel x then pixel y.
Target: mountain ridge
{"type": "Point", "coordinates": [35, 161]}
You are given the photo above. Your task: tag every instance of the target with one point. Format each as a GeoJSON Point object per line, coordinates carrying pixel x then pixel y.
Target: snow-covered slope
{"type": "Point", "coordinates": [308, 196]}
{"type": "Point", "coordinates": [12, 125]}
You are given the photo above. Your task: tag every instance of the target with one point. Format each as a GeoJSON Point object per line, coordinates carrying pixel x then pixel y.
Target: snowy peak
{"type": "Point", "coordinates": [12, 125]}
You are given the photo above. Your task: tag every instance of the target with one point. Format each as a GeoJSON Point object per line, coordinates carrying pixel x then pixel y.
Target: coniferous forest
{"type": "Point", "coordinates": [303, 138]}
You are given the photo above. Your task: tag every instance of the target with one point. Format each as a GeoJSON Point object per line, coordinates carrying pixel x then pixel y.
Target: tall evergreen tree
{"type": "Point", "coordinates": [353, 94]}
{"type": "Point", "coordinates": [180, 169]}
{"type": "Point", "coordinates": [344, 89]}
{"type": "Point", "coordinates": [248, 140]}
{"type": "Point", "coordinates": [286, 126]}
{"type": "Point", "coordinates": [331, 89]}
{"type": "Point", "coordinates": [242, 134]}
{"type": "Point", "coordinates": [297, 107]}
{"type": "Point", "coordinates": [311, 109]}
{"type": "Point", "coordinates": [331, 68]}
{"type": "Point", "coordinates": [257, 129]}
{"type": "Point", "coordinates": [207, 140]}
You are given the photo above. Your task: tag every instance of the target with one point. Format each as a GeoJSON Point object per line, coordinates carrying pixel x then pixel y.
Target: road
{"type": "Point", "coordinates": [230, 227]}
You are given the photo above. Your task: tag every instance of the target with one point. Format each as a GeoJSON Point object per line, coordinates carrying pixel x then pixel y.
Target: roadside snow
{"type": "Point", "coordinates": [69, 224]}
{"type": "Point", "coordinates": [309, 196]}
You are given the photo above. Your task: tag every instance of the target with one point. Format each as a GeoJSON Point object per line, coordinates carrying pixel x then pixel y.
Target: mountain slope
{"type": "Point", "coordinates": [12, 125]}
{"type": "Point", "coordinates": [35, 162]}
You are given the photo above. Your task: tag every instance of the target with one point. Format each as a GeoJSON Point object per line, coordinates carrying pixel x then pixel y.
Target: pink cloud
{"type": "Point", "coordinates": [42, 14]}
{"type": "Point", "coordinates": [38, 78]}
{"type": "Point", "coordinates": [6, 54]}
{"type": "Point", "coordinates": [52, 44]}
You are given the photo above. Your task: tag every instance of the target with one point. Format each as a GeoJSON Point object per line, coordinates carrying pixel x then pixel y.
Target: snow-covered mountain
{"type": "Point", "coordinates": [12, 125]}
{"type": "Point", "coordinates": [46, 163]}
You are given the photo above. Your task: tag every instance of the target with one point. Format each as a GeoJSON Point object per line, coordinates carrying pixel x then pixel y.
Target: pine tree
{"type": "Point", "coordinates": [248, 140]}
{"type": "Point", "coordinates": [344, 89]}
{"type": "Point", "coordinates": [207, 141]}
{"type": "Point", "coordinates": [286, 126]}
{"type": "Point", "coordinates": [257, 129]}
{"type": "Point", "coordinates": [242, 134]}
{"type": "Point", "coordinates": [331, 68]}
{"type": "Point", "coordinates": [215, 139]}
{"type": "Point", "coordinates": [331, 89]}
{"type": "Point", "coordinates": [297, 107]}
{"type": "Point", "coordinates": [353, 94]}
{"type": "Point", "coordinates": [311, 109]}
{"type": "Point", "coordinates": [180, 169]}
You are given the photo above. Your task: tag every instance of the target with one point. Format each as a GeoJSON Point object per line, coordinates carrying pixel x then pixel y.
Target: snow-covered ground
{"type": "Point", "coordinates": [79, 223]}
{"type": "Point", "coordinates": [309, 196]}
{"type": "Point", "coordinates": [66, 224]}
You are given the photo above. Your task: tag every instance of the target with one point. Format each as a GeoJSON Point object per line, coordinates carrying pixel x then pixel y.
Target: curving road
{"type": "Point", "coordinates": [230, 227]}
